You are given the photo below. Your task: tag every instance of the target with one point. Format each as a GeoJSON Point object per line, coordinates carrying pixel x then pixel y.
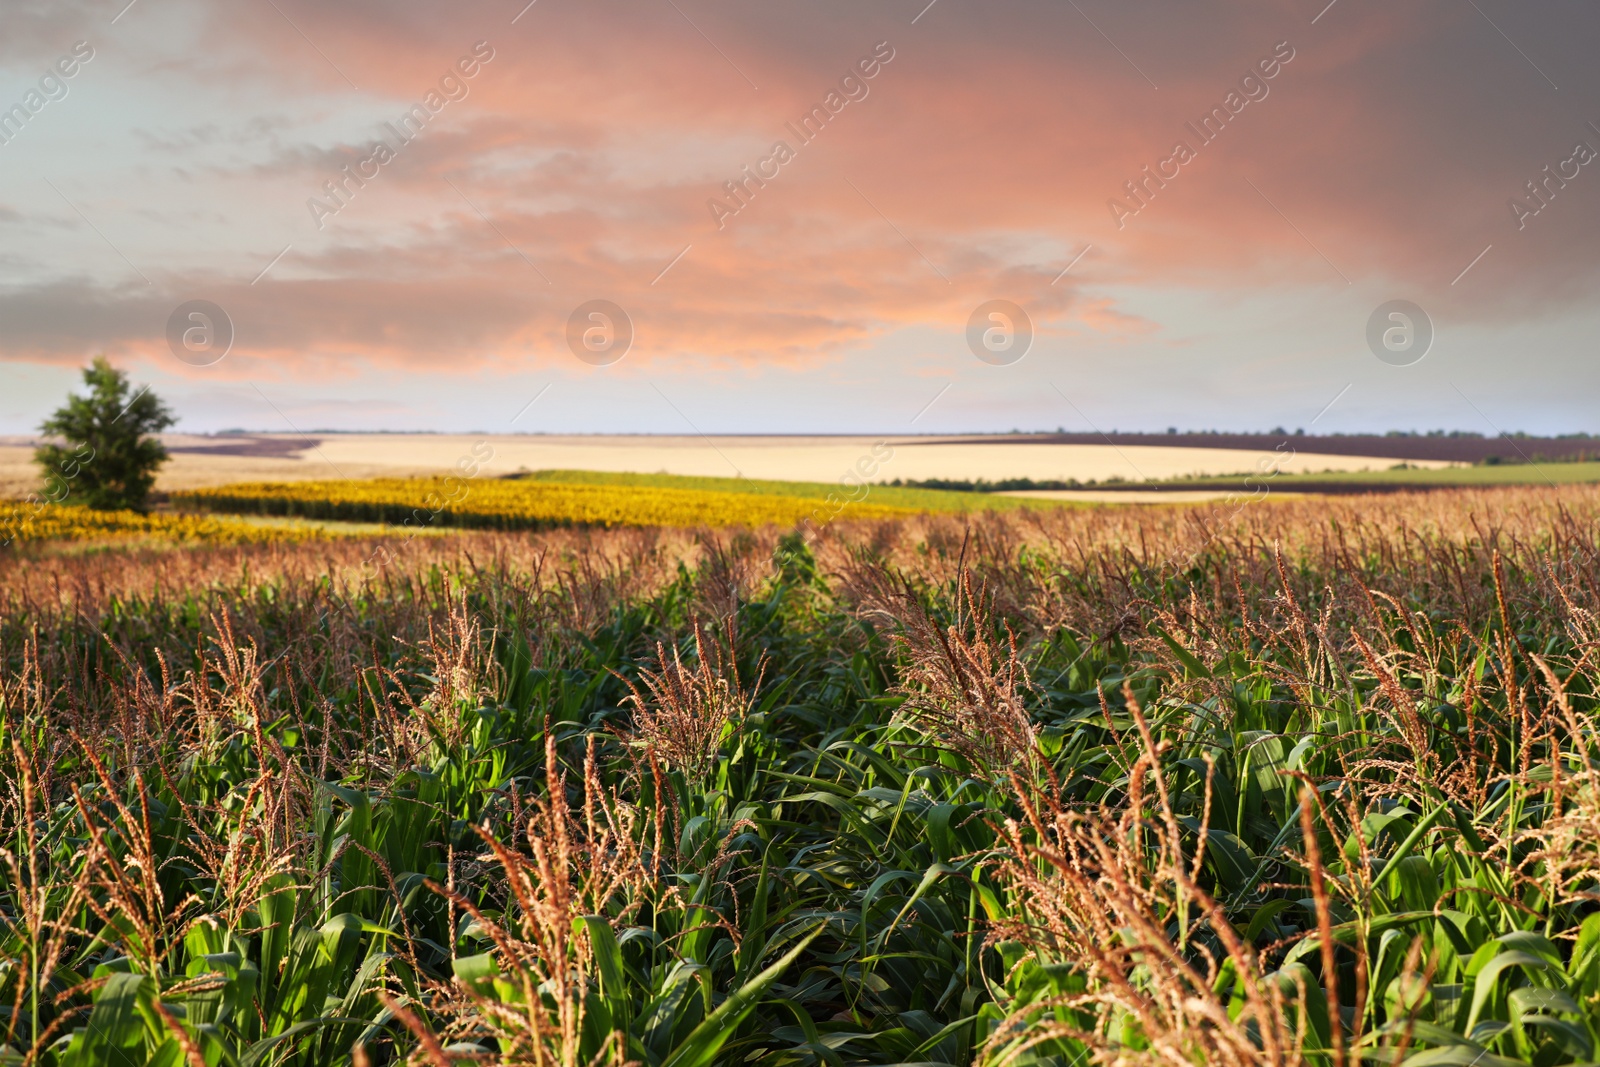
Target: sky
{"type": "Point", "coordinates": [400, 215]}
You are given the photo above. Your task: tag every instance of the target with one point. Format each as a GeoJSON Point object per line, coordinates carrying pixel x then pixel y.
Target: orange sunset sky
{"type": "Point", "coordinates": [574, 150]}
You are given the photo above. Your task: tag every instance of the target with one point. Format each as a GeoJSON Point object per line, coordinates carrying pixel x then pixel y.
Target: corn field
{"type": "Point", "coordinates": [1305, 783]}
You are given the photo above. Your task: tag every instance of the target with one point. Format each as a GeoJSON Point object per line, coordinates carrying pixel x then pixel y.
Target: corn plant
{"type": "Point", "coordinates": [1114, 787]}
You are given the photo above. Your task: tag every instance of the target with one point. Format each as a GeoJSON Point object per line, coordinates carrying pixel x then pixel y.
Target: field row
{"type": "Point", "coordinates": [31, 523]}
{"type": "Point", "coordinates": [236, 514]}
{"type": "Point", "coordinates": [1314, 784]}
{"type": "Point", "coordinates": [514, 504]}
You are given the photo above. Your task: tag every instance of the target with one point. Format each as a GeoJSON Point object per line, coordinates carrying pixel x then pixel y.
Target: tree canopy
{"type": "Point", "coordinates": [110, 456]}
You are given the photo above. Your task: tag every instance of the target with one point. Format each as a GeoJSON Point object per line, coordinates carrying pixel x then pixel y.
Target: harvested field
{"type": "Point", "coordinates": [209, 461]}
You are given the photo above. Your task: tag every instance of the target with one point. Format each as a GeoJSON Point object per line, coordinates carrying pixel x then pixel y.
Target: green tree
{"type": "Point", "coordinates": [110, 457]}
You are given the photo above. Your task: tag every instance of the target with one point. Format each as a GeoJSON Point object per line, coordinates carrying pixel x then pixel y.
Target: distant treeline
{"type": "Point", "coordinates": [1539, 457]}
{"type": "Point", "coordinates": [1279, 431]}
{"type": "Point", "coordinates": [1004, 485]}
{"type": "Point", "coordinates": [1011, 485]}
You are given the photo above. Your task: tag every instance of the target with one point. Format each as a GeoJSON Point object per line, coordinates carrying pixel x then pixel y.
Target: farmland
{"type": "Point", "coordinates": [514, 504]}
{"type": "Point", "coordinates": [201, 461]}
{"type": "Point", "coordinates": [894, 496]}
{"type": "Point", "coordinates": [1309, 783]}
{"type": "Point", "coordinates": [1399, 478]}
{"type": "Point", "coordinates": [487, 582]}
{"type": "Point", "coordinates": [545, 499]}
{"type": "Point", "coordinates": [309, 510]}
{"type": "Point", "coordinates": [41, 522]}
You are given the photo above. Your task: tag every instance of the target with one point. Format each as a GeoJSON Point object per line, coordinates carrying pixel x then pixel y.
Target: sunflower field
{"type": "Point", "coordinates": [508, 504]}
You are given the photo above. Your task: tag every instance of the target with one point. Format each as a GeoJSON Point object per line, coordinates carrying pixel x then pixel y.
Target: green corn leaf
{"type": "Point", "coordinates": [115, 1034]}
{"type": "Point", "coordinates": [1183, 655]}
{"type": "Point", "coordinates": [1411, 841]}
{"type": "Point", "coordinates": [477, 972]}
{"type": "Point", "coordinates": [701, 1046]}
{"type": "Point", "coordinates": [1463, 1055]}
{"type": "Point", "coordinates": [1485, 980]}
{"type": "Point", "coordinates": [1573, 1039]}
{"type": "Point", "coordinates": [608, 963]}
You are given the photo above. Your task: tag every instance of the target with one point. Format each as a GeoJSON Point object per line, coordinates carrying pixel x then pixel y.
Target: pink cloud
{"type": "Point", "coordinates": [985, 155]}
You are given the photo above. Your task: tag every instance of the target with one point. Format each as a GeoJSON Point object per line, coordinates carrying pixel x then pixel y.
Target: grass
{"type": "Point", "coordinates": [1442, 477]}
{"type": "Point", "coordinates": [916, 499]}
{"type": "Point", "coordinates": [1311, 785]}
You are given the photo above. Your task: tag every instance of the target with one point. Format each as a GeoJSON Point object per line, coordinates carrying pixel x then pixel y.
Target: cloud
{"type": "Point", "coordinates": [39, 30]}
{"type": "Point", "coordinates": [980, 163]}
